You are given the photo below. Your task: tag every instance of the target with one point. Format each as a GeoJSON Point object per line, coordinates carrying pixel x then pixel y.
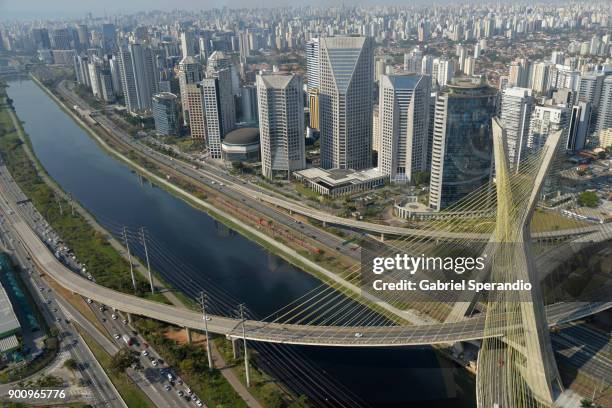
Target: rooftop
{"type": "Point", "coordinates": [242, 136]}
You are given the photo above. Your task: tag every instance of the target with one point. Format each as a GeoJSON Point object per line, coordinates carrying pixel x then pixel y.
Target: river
{"type": "Point", "coordinates": [194, 250]}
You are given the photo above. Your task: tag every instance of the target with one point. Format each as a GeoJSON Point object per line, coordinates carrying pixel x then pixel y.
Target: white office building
{"type": "Point", "coordinates": [281, 124]}
{"type": "Point", "coordinates": [404, 123]}
{"type": "Point", "coordinates": [345, 97]}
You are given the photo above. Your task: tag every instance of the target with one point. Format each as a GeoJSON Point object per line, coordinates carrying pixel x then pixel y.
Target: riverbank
{"type": "Point", "coordinates": [89, 245]}
{"type": "Point", "coordinates": [275, 245]}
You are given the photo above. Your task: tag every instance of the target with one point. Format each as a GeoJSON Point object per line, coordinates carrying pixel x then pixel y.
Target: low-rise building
{"type": "Point", "coordinates": [241, 145]}
{"type": "Point", "coordinates": [335, 182]}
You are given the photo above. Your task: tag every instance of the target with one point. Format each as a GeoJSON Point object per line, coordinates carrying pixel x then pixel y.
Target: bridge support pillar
{"type": "Point", "coordinates": [382, 237]}
{"type": "Point", "coordinates": [188, 334]}
{"type": "Point", "coordinates": [129, 318]}
{"type": "Point", "coordinates": [324, 224]}
{"type": "Point", "coordinates": [234, 349]}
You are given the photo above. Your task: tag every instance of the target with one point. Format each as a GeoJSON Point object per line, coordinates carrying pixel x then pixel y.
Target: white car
{"type": "Point", "coordinates": [89, 301]}
{"type": "Point", "coordinates": [154, 362]}
{"type": "Point", "coordinates": [125, 321]}
{"type": "Point", "coordinates": [199, 403]}
{"type": "Point", "coordinates": [145, 353]}
{"type": "Point", "coordinates": [358, 335]}
{"type": "Point", "coordinates": [117, 336]}
{"type": "Point", "coordinates": [114, 316]}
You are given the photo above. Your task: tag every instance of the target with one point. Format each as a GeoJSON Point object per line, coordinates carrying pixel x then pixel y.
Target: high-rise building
{"type": "Point", "coordinates": [226, 97]}
{"type": "Point", "coordinates": [516, 108]}
{"type": "Point", "coordinates": [41, 38]}
{"type": "Point", "coordinates": [540, 81]}
{"type": "Point", "coordinates": [604, 110]}
{"type": "Point", "coordinates": [578, 128]}
{"type": "Point", "coordinates": [190, 72]}
{"type": "Point", "coordinates": [248, 104]}
{"type": "Point", "coordinates": [469, 64]}
{"type": "Point", "coordinates": [188, 44]}
{"type": "Point", "coordinates": [281, 124]}
{"type": "Point", "coordinates": [443, 71]}
{"type": "Point", "coordinates": [404, 122]}
{"type": "Point", "coordinates": [165, 114]}
{"type": "Point", "coordinates": [545, 121]}
{"type": "Point", "coordinates": [589, 91]}
{"type": "Point", "coordinates": [138, 76]}
{"type": "Point", "coordinates": [109, 38]}
{"type": "Point", "coordinates": [312, 64]}
{"type": "Point", "coordinates": [83, 36]}
{"type": "Point", "coordinates": [427, 64]}
{"type": "Point", "coordinates": [413, 61]}
{"type": "Point", "coordinates": [197, 117]}
{"type": "Point", "coordinates": [61, 39]}
{"type": "Point", "coordinates": [462, 141]}
{"type": "Point", "coordinates": [345, 102]}
{"type": "Point", "coordinates": [313, 103]}
{"type": "Point", "coordinates": [212, 115]}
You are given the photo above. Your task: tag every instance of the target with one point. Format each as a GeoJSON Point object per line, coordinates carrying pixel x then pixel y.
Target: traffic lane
{"type": "Point", "coordinates": [71, 341]}
{"type": "Point", "coordinates": [150, 377]}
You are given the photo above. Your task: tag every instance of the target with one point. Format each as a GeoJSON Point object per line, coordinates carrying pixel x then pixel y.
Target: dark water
{"type": "Point", "coordinates": [210, 253]}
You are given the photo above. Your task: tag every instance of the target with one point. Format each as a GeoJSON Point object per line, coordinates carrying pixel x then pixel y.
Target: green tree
{"type": "Point", "coordinates": [274, 400]}
{"type": "Point", "coordinates": [420, 178]}
{"type": "Point", "coordinates": [186, 365]}
{"type": "Point", "coordinates": [301, 402]}
{"type": "Point", "coordinates": [123, 359]}
{"type": "Point", "coordinates": [588, 199]}
{"type": "Point", "coordinates": [70, 364]}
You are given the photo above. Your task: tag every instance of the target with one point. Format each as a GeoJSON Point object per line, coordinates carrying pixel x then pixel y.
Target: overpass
{"type": "Point", "coordinates": [372, 336]}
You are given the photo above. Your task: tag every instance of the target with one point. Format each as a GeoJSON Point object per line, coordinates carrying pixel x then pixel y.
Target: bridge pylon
{"type": "Point", "coordinates": [517, 370]}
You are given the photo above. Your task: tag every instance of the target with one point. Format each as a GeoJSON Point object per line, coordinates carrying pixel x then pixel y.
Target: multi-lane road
{"type": "Point", "coordinates": [238, 190]}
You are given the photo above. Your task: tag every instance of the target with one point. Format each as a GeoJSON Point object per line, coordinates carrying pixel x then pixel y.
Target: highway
{"type": "Point", "coordinates": [254, 194]}
{"type": "Point", "coordinates": [103, 393]}
{"type": "Point", "coordinates": [149, 381]}
{"type": "Point", "coordinates": [468, 329]}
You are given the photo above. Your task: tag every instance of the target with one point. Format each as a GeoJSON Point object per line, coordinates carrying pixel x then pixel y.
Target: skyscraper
{"type": "Point", "coordinates": [404, 122]}
{"type": "Point", "coordinates": [227, 106]}
{"type": "Point", "coordinates": [345, 102]}
{"type": "Point", "coordinates": [312, 64]}
{"type": "Point", "coordinates": [138, 76]}
{"type": "Point", "coordinates": [61, 39]}
{"type": "Point", "coordinates": [165, 113]}
{"type": "Point", "coordinates": [41, 38]}
{"type": "Point", "coordinates": [545, 121]}
{"type": "Point", "coordinates": [516, 108]}
{"type": "Point", "coordinates": [190, 72]}
{"type": "Point", "coordinates": [109, 38]}
{"type": "Point", "coordinates": [604, 110]}
{"type": "Point", "coordinates": [462, 141]}
{"type": "Point", "coordinates": [443, 71]}
{"type": "Point", "coordinates": [281, 124]}
{"type": "Point", "coordinates": [212, 115]}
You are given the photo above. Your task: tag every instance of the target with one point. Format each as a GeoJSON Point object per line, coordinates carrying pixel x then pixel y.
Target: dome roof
{"type": "Point", "coordinates": [242, 136]}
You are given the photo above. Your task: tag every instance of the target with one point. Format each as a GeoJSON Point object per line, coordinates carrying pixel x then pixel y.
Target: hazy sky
{"type": "Point", "coordinates": [51, 9]}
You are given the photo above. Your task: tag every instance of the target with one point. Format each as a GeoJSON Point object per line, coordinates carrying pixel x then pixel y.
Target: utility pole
{"type": "Point", "coordinates": [203, 300]}
{"type": "Point", "coordinates": [244, 342]}
{"type": "Point", "coordinates": [127, 245]}
{"type": "Point", "coordinates": [59, 203]}
{"type": "Point", "coordinates": [144, 244]}
{"type": "Point", "coordinates": [71, 203]}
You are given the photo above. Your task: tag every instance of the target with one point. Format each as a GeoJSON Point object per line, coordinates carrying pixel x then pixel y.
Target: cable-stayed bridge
{"type": "Point", "coordinates": [503, 332]}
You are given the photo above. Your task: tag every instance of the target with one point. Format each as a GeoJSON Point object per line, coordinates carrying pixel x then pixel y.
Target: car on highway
{"type": "Point", "coordinates": [114, 316]}
{"type": "Point", "coordinates": [167, 387]}
{"type": "Point", "coordinates": [145, 353]}
{"type": "Point", "coordinates": [117, 336]}
{"type": "Point", "coordinates": [358, 335]}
